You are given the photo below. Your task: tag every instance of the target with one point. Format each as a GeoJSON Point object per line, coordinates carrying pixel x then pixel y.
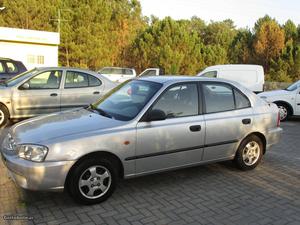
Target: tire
{"type": "Point", "coordinates": [93, 180]}
{"type": "Point", "coordinates": [249, 153]}
{"type": "Point", "coordinates": [284, 111]}
{"type": "Point", "coordinates": [4, 116]}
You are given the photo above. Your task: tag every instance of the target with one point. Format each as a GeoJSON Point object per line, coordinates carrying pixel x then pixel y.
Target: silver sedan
{"type": "Point", "coordinates": [46, 90]}
{"type": "Point", "coordinates": [143, 126]}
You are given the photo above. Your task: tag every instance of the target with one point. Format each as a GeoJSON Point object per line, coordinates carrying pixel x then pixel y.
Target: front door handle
{"type": "Point", "coordinates": [96, 92]}
{"type": "Point", "coordinates": [53, 94]}
{"type": "Point", "coordinates": [246, 121]}
{"type": "Point", "coordinates": [195, 128]}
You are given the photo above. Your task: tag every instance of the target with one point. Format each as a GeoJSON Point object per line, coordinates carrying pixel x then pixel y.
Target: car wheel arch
{"type": "Point", "coordinates": [103, 154]}
{"type": "Point", "coordinates": [290, 107]}
{"type": "Point", "coordinates": [261, 136]}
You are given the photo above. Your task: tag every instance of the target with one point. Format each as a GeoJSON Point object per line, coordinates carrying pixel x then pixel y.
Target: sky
{"type": "Point", "coordinates": [244, 13]}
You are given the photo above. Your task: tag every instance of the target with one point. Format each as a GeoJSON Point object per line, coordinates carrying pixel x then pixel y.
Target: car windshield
{"type": "Point", "coordinates": [293, 86]}
{"type": "Point", "coordinates": [126, 100]}
{"type": "Point", "coordinates": [17, 79]}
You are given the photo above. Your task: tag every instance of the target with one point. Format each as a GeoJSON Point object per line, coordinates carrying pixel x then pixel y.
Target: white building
{"type": "Point", "coordinates": [34, 48]}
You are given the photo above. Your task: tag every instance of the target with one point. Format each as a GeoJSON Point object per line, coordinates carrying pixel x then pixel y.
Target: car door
{"type": "Point", "coordinates": [38, 95]}
{"type": "Point", "coordinates": [228, 117]}
{"type": "Point", "coordinates": [177, 140]}
{"type": "Point", "coordinates": [80, 89]}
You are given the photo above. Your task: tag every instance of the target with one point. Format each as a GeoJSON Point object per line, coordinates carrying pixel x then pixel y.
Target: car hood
{"type": "Point", "coordinates": [274, 93]}
{"type": "Point", "coordinates": [44, 128]}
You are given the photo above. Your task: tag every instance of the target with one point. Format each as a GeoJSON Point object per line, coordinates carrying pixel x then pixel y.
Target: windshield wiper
{"type": "Point", "coordinates": [100, 111]}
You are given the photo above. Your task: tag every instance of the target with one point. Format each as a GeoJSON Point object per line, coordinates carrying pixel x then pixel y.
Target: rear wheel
{"type": "Point", "coordinates": [4, 116]}
{"type": "Point", "coordinates": [93, 181]}
{"type": "Point", "coordinates": [249, 153]}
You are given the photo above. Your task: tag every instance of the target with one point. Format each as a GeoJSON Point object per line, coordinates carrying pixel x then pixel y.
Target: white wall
{"type": "Point", "coordinates": [23, 51]}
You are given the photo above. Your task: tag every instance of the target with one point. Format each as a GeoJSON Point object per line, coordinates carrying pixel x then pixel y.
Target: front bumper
{"type": "Point", "coordinates": [49, 176]}
{"type": "Point", "coordinates": [273, 136]}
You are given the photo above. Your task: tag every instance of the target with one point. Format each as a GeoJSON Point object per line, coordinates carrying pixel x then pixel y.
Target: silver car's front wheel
{"type": "Point", "coordinates": [94, 182]}
{"type": "Point", "coordinates": [4, 115]}
{"type": "Point", "coordinates": [249, 153]}
{"type": "Point", "coordinates": [93, 179]}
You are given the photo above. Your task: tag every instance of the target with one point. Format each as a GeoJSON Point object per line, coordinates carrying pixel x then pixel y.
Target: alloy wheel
{"type": "Point", "coordinates": [94, 182]}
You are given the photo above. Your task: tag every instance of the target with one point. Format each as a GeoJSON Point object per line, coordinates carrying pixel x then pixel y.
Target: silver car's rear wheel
{"type": "Point", "coordinates": [249, 153]}
{"type": "Point", "coordinates": [94, 182]}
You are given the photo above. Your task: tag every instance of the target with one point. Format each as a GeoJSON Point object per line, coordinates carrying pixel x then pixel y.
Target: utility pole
{"type": "Point", "coordinates": [59, 20]}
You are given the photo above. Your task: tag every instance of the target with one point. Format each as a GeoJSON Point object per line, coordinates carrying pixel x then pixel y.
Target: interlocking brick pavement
{"type": "Point", "coordinates": [213, 194]}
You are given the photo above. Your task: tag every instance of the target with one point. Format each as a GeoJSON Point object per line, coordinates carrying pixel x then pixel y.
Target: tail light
{"type": "Point", "coordinates": [278, 119]}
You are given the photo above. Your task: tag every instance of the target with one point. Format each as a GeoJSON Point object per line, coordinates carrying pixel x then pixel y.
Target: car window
{"type": "Point", "coordinates": [179, 101]}
{"type": "Point", "coordinates": [241, 101]}
{"type": "Point", "coordinates": [126, 100]}
{"type": "Point", "coordinates": [46, 80]}
{"type": "Point", "coordinates": [2, 70]}
{"type": "Point", "coordinates": [218, 97]}
{"type": "Point", "coordinates": [105, 71]}
{"type": "Point", "coordinates": [148, 73]}
{"type": "Point", "coordinates": [93, 81]}
{"type": "Point", "coordinates": [212, 74]}
{"type": "Point", "coordinates": [76, 79]}
{"type": "Point", "coordinates": [11, 67]}
{"type": "Point", "coordinates": [128, 72]}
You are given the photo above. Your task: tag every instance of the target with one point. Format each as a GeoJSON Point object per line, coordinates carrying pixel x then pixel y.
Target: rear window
{"type": "Point", "coordinates": [11, 67]}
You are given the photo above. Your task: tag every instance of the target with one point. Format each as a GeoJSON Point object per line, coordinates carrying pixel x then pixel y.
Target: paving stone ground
{"type": "Point", "coordinates": [213, 194]}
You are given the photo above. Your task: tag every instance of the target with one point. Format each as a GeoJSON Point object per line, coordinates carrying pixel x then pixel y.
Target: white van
{"type": "Point", "coordinates": [250, 76]}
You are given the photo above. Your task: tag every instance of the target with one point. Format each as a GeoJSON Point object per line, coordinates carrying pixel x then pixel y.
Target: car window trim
{"type": "Point", "coordinates": [29, 78]}
{"type": "Point", "coordinates": [232, 88]}
{"type": "Point", "coordinates": [64, 87]}
{"type": "Point", "coordinates": [143, 118]}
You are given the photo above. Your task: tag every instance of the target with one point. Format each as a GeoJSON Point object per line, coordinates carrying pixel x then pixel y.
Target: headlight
{"type": "Point", "coordinates": [36, 153]}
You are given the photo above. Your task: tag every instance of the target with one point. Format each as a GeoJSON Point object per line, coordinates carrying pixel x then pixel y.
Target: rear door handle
{"type": "Point", "coordinates": [96, 92]}
{"type": "Point", "coordinates": [246, 121]}
{"type": "Point", "coordinates": [53, 94]}
{"type": "Point", "coordinates": [195, 128]}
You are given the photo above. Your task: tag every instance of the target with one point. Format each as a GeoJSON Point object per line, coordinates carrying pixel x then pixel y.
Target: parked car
{"type": "Point", "coordinates": [143, 126]}
{"type": "Point", "coordinates": [118, 74]}
{"type": "Point", "coordinates": [151, 72]}
{"type": "Point", "coordinates": [287, 100]}
{"type": "Point", "coordinates": [10, 68]}
{"type": "Point", "coordinates": [46, 90]}
{"type": "Point", "coordinates": [251, 76]}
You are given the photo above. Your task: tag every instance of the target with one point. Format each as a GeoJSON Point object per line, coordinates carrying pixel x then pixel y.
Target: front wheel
{"type": "Point", "coordinates": [284, 111]}
{"type": "Point", "coordinates": [249, 153]}
{"type": "Point", "coordinates": [92, 181]}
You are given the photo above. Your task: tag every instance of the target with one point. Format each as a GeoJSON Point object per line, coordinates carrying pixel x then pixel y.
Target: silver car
{"type": "Point", "coordinates": [143, 126]}
{"type": "Point", "coordinates": [46, 90]}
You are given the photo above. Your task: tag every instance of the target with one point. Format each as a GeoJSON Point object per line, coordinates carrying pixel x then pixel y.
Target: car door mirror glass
{"type": "Point", "coordinates": [156, 114]}
{"type": "Point", "coordinates": [25, 86]}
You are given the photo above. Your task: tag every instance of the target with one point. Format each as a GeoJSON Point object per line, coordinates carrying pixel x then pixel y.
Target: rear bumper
{"type": "Point", "coordinates": [273, 137]}
{"type": "Point", "coordinates": [48, 176]}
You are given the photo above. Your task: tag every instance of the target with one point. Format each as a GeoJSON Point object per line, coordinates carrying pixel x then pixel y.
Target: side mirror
{"type": "Point", "coordinates": [155, 115]}
{"type": "Point", "coordinates": [25, 86]}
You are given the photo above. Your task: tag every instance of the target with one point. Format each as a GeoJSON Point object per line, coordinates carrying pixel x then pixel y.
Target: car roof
{"type": "Point", "coordinates": [63, 68]}
{"type": "Point", "coordinates": [177, 78]}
